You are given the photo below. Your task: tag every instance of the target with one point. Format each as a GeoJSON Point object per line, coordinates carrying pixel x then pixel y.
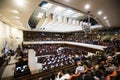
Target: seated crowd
{"type": "Point", "coordinates": [52, 56]}
{"type": "Point", "coordinates": [56, 60]}
{"type": "Point", "coordinates": [96, 67]}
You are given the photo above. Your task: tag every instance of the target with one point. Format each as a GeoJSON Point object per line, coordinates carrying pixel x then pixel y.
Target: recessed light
{"type": "Point", "coordinates": [99, 12]}
{"type": "Point", "coordinates": [87, 6]}
{"type": "Point", "coordinates": [15, 11]}
{"type": "Point", "coordinates": [105, 17]}
{"type": "Point", "coordinates": [67, 0]}
{"type": "Point", "coordinates": [47, 6]}
{"type": "Point", "coordinates": [17, 17]}
{"type": "Point", "coordinates": [20, 3]}
{"type": "Point", "coordinates": [107, 21]}
{"type": "Point", "coordinates": [108, 24]}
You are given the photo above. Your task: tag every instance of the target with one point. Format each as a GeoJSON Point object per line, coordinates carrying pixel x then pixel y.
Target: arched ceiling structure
{"type": "Point", "coordinates": [17, 13]}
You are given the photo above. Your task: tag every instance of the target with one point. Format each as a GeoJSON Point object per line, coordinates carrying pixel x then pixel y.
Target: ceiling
{"type": "Point", "coordinates": [18, 15]}
{"type": "Point", "coordinates": [110, 9]}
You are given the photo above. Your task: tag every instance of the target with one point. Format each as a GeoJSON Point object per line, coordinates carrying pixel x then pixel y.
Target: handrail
{"type": "Point", "coordinates": [78, 74]}
{"type": "Point", "coordinates": [114, 73]}
{"type": "Point", "coordinates": [74, 75]}
{"type": "Point", "coordinates": [47, 72]}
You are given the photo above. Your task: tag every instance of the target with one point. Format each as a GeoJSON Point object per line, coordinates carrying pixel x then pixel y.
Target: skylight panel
{"type": "Point", "coordinates": [40, 15]}
{"type": "Point", "coordinates": [47, 6]}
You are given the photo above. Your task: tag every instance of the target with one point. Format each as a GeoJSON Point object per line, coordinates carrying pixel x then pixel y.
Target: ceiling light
{"type": "Point", "coordinates": [15, 11]}
{"type": "Point", "coordinates": [20, 3]}
{"type": "Point", "coordinates": [108, 24]}
{"type": "Point", "coordinates": [46, 6]}
{"type": "Point", "coordinates": [105, 17]}
{"type": "Point", "coordinates": [99, 12]}
{"type": "Point", "coordinates": [87, 6]}
{"type": "Point", "coordinates": [107, 21]}
{"type": "Point", "coordinates": [67, 0]}
{"type": "Point", "coordinates": [40, 15]}
{"type": "Point", "coordinates": [17, 17]}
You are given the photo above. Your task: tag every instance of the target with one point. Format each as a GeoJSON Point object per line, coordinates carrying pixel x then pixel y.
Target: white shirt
{"type": "Point", "coordinates": [66, 76]}
{"type": "Point", "coordinates": [79, 69]}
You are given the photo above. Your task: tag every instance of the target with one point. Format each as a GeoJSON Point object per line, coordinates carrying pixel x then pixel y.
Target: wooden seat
{"type": "Point", "coordinates": [114, 73]}
{"type": "Point", "coordinates": [74, 76]}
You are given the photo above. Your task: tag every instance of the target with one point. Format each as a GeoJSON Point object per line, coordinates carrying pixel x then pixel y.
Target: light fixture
{"type": "Point", "coordinates": [87, 6]}
{"type": "Point", "coordinates": [99, 12]}
{"type": "Point", "coordinates": [107, 21]}
{"type": "Point", "coordinates": [20, 3]}
{"type": "Point", "coordinates": [67, 0]}
{"type": "Point", "coordinates": [40, 15]}
{"type": "Point", "coordinates": [108, 24]}
{"type": "Point", "coordinates": [15, 11]}
{"type": "Point", "coordinates": [105, 17]}
{"type": "Point", "coordinates": [47, 6]}
{"type": "Point", "coordinates": [17, 17]}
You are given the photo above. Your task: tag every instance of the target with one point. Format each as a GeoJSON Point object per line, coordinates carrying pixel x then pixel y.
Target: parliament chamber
{"type": "Point", "coordinates": [59, 40]}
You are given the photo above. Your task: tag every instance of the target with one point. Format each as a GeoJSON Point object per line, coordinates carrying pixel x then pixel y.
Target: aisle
{"type": "Point", "coordinates": [32, 62]}
{"type": "Point", "coordinates": [8, 73]}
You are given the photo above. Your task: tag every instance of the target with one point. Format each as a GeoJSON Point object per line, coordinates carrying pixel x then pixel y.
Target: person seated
{"type": "Point", "coordinates": [99, 75]}
{"type": "Point", "coordinates": [89, 76]}
{"type": "Point", "coordinates": [111, 67]}
{"type": "Point", "coordinates": [80, 68]}
{"type": "Point", "coordinates": [64, 75]}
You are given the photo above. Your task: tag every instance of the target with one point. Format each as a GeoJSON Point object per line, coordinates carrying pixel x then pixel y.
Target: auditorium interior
{"type": "Point", "coordinates": [59, 40]}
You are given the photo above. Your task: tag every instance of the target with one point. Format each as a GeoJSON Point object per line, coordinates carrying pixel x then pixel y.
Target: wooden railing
{"type": "Point", "coordinates": [47, 72]}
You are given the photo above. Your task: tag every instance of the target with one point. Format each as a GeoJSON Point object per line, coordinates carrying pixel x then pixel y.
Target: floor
{"type": "Point", "coordinates": [7, 70]}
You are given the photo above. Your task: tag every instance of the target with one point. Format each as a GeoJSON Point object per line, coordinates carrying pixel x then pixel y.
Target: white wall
{"type": "Point", "coordinates": [11, 35]}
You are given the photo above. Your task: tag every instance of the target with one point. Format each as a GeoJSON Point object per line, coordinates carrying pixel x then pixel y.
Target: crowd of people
{"type": "Point", "coordinates": [104, 63]}
{"type": "Point", "coordinates": [97, 38]}
{"type": "Point", "coordinates": [102, 66]}
{"type": "Point", "coordinates": [57, 60]}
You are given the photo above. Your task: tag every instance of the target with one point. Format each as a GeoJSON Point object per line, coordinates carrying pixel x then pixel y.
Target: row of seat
{"type": "Point", "coordinates": [114, 74]}
{"type": "Point", "coordinates": [76, 76]}
{"type": "Point", "coordinates": [108, 77]}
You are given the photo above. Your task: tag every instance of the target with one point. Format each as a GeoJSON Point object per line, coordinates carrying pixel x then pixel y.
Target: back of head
{"type": "Point", "coordinates": [79, 63]}
{"type": "Point", "coordinates": [64, 71]}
